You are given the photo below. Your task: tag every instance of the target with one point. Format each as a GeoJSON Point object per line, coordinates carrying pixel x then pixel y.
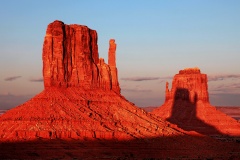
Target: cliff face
{"type": "Point", "coordinates": [70, 59]}
{"type": "Point", "coordinates": [191, 80]}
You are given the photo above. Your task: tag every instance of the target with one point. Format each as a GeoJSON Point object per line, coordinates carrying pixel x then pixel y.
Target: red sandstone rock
{"type": "Point", "coordinates": [112, 53]}
{"type": "Point", "coordinates": [70, 59]}
{"type": "Point", "coordinates": [193, 81]}
{"type": "Point", "coordinates": [77, 113]}
{"type": "Point", "coordinates": [112, 65]}
{"type": "Point", "coordinates": [187, 105]}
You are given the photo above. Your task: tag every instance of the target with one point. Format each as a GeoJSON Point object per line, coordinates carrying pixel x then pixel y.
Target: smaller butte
{"type": "Point", "coordinates": [187, 105]}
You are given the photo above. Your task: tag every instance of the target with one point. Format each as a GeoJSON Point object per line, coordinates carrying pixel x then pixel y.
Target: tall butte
{"type": "Point", "coordinates": [187, 105]}
{"type": "Point", "coordinates": [81, 97]}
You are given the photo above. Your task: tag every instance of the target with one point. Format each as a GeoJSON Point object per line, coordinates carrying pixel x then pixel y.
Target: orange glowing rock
{"type": "Point", "coordinates": [187, 105]}
{"type": "Point", "coordinates": [70, 59]}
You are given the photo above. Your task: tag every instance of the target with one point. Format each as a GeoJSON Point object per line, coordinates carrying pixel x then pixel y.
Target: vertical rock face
{"type": "Point", "coordinates": [70, 59]}
{"type": "Point", "coordinates": [191, 80]}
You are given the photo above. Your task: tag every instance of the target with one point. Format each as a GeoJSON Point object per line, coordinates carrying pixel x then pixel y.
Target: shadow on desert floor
{"type": "Point", "coordinates": [149, 148]}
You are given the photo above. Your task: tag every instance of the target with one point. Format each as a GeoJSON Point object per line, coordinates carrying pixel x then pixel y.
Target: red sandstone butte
{"type": "Point", "coordinates": [70, 59]}
{"type": "Point", "coordinates": [187, 105]}
{"type": "Point", "coordinates": [81, 97]}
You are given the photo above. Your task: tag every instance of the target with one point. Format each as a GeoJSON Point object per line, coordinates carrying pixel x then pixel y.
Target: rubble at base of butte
{"type": "Point", "coordinates": [187, 105]}
{"type": "Point", "coordinates": [82, 114]}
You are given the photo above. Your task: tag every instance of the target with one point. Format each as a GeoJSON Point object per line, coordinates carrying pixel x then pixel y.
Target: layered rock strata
{"type": "Point", "coordinates": [187, 105]}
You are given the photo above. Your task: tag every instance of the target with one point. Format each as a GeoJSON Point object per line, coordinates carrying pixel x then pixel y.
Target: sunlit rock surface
{"type": "Point", "coordinates": [70, 59]}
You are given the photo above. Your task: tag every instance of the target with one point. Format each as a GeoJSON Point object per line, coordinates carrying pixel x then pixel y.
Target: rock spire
{"type": "Point", "coordinates": [112, 53]}
{"type": "Point", "coordinates": [81, 114]}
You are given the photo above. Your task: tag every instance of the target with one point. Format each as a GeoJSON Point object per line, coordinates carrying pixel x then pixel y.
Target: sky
{"type": "Point", "coordinates": [155, 39]}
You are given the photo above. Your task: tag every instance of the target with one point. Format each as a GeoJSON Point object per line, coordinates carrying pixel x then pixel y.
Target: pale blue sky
{"type": "Point", "coordinates": [155, 39]}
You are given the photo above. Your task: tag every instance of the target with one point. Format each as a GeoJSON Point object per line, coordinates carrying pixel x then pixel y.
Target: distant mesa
{"type": "Point", "coordinates": [187, 105]}
{"type": "Point", "coordinates": [193, 81]}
